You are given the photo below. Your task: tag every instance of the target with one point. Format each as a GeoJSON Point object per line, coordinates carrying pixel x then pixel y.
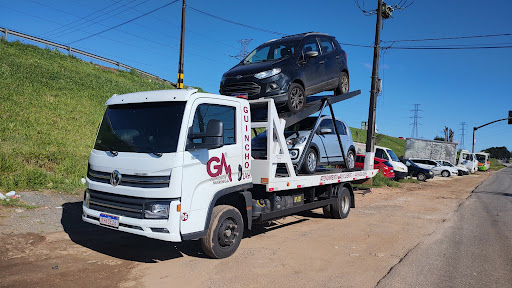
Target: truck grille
{"type": "Point", "coordinates": [250, 88]}
{"type": "Point", "coordinates": [131, 180]}
{"type": "Point", "coordinates": [117, 204]}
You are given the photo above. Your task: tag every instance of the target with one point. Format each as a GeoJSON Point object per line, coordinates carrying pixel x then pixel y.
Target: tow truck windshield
{"type": "Point", "coordinates": [141, 127]}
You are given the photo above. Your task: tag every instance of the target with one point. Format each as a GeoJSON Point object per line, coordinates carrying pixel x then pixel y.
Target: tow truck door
{"type": "Point", "coordinates": [206, 172]}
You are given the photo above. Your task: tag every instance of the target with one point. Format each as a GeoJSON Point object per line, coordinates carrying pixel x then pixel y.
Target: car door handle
{"type": "Point", "coordinates": [321, 62]}
{"type": "Point", "coordinates": [338, 57]}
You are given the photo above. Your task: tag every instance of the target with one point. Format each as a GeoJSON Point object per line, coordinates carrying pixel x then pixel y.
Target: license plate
{"type": "Point", "coordinates": [239, 94]}
{"type": "Point", "coordinates": [109, 220]}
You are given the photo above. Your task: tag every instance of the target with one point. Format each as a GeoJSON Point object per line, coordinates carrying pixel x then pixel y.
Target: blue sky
{"type": "Point", "coordinates": [452, 86]}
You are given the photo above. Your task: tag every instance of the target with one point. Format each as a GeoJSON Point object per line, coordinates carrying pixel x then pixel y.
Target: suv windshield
{"type": "Point", "coordinates": [141, 127]}
{"type": "Point", "coordinates": [271, 51]}
{"type": "Point", "coordinates": [303, 125]}
{"type": "Point", "coordinates": [392, 155]}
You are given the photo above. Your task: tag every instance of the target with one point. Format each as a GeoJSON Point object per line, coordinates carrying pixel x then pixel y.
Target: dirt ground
{"type": "Point", "coordinates": [298, 251]}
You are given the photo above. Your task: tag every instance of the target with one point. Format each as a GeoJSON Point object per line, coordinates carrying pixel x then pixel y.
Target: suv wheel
{"type": "Point", "coordinates": [296, 98]}
{"type": "Point", "coordinates": [343, 84]}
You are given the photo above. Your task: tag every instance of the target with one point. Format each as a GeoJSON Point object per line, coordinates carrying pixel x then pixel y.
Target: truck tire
{"type": "Point", "coordinates": [224, 233]}
{"type": "Point", "coordinates": [421, 177]}
{"type": "Point", "coordinates": [310, 161]}
{"type": "Point", "coordinates": [296, 98]}
{"type": "Point", "coordinates": [327, 211]}
{"type": "Point", "coordinates": [445, 173]}
{"type": "Point", "coordinates": [341, 208]}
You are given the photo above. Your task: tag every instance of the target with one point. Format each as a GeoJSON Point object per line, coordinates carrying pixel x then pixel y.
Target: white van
{"type": "Point", "coordinates": [468, 160]}
{"type": "Point", "coordinates": [401, 170]}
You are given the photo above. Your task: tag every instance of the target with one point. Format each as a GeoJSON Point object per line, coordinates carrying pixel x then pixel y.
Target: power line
{"type": "Point", "coordinates": [450, 48]}
{"type": "Point", "coordinates": [452, 38]}
{"type": "Point", "coordinates": [126, 22]}
{"type": "Point", "coordinates": [237, 23]}
{"type": "Point", "coordinates": [415, 117]}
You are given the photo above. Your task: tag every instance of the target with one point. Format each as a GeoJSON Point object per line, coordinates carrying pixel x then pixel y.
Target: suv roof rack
{"type": "Point", "coordinates": [305, 34]}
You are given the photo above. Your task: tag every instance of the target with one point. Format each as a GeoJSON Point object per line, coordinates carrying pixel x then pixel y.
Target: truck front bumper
{"type": "Point", "coordinates": [167, 229]}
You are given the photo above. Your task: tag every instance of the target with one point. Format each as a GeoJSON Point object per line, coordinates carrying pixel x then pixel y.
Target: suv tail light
{"type": "Point", "coordinates": [345, 54]}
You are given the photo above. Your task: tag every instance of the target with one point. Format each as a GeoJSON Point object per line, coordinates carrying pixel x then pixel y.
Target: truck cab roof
{"type": "Point", "coordinates": [152, 96]}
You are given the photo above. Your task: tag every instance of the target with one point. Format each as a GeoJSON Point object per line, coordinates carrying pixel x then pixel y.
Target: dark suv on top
{"type": "Point", "coordinates": [289, 69]}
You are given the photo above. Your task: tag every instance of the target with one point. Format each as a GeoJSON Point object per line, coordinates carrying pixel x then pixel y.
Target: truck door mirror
{"type": "Point", "coordinates": [211, 139]}
{"type": "Point", "coordinates": [324, 131]}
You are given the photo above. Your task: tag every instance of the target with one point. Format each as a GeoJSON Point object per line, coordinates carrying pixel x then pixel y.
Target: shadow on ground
{"type": "Point", "coordinates": [136, 248]}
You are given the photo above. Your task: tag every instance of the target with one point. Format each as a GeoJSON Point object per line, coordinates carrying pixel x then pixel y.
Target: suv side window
{"type": "Point", "coordinates": [206, 112]}
{"type": "Point", "coordinates": [326, 45]}
{"type": "Point", "coordinates": [341, 128]}
{"type": "Point", "coordinates": [310, 45]}
{"type": "Point", "coordinates": [327, 124]}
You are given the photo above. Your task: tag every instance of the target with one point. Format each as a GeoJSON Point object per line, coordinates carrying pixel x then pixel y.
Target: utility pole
{"type": "Point", "coordinates": [179, 84]}
{"type": "Point", "coordinates": [370, 133]}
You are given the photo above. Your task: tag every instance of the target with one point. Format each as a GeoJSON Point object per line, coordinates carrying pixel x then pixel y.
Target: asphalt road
{"type": "Point", "coordinates": [472, 249]}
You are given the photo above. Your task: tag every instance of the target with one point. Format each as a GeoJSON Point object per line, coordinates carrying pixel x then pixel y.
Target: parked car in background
{"type": "Point", "coordinates": [422, 174]}
{"type": "Point", "coordinates": [290, 69]}
{"type": "Point", "coordinates": [388, 154]}
{"type": "Point", "coordinates": [436, 167]}
{"type": "Point", "coordinates": [324, 148]}
{"type": "Point", "coordinates": [382, 164]}
{"type": "Point", "coordinates": [461, 170]}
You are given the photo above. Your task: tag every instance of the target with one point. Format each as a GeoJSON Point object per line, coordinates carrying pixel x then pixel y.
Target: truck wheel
{"type": "Point", "coordinates": [327, 211]}
{"type": "Point", "coordinates": [341, 208]}
{"type": "Point", "coordinates": [310, 162]}
{"type": "Point", "coordinates": [445, 173]}
{"type": "Point", "coordinates": [421, 177]}
{"type": "Point", "coordinates": [296, 98]}
{"type": "Point", "coordinates": [224, 232]}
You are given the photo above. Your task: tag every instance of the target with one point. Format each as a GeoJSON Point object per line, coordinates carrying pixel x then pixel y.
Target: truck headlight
{"type": "Point", "coordinates": [87, 198]}
{"type": "Point", "coordinates": [268, 73]}
{"type": "Point", "coordinates": [156, 210]}
{"type": "Point", "coordinates": [294, 141]}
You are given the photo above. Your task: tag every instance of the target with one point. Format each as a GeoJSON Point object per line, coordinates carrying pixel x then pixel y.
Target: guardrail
{"type": "Point", "coordinates": [71, 50]}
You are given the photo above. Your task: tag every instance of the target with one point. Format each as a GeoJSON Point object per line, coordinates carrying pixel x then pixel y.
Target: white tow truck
{"type": "Point", "coordinates": [176, 165]}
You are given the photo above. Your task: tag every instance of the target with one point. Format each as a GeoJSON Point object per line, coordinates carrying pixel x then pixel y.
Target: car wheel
{"type": "Point", "coordinates": [310, 162]}
{"type": "Point", "coordinates": [343, 84]}
{"type": "Point", "coordinates": [224, 232]}
{"type": "Point", "coordinates": [445, 173]}
{"type": "Point", "coordinates": [421, 177]}
{"type": "Point", "coordinates": [459, 173]}
{"type": "Point", "coordinates": [350, 157]}
{"type": "Point", "coordinates": [296, 98]}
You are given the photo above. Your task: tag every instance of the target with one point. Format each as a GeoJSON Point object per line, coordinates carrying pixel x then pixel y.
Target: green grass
{"type": "Point", "coordinates": [16, 203]}
{"type": "Point", "coordinates": [495, 165]}
{"type": "Point", "coordinates": [51, 106]}
{"type": "Point", "coordinates": [380, 180]}
{"type": "Point", "coordinates": [409, 180]}
{"type": "Point", "coordinates": [395, 144]}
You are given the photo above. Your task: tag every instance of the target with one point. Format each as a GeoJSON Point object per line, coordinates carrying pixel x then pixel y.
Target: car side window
{"type": "Point", "coordinates": [327, 124]}
{"type": "Point", "coordinates": [310, 45]}
{"type": "Point", "coordinates": [206, 112]}
{"type": "Point", "coordinates": [342, 129]}
{"type": "Point", "coordinates": [326, 45]}
{"type": "Point", "coordinates": [359, 159]}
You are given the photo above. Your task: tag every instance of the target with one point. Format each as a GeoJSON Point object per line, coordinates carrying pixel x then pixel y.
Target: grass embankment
{"type": "Point", "coordinates": [51, 105]}
{"type": "Point", "coordinates": [395, 144]}
{"type": "Point", "coordinates": [495, 165]}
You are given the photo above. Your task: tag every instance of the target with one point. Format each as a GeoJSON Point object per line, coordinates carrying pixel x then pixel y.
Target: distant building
{"type": "Point", "coordinates": [364, 126]}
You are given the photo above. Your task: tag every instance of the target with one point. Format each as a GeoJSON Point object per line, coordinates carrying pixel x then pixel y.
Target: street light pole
{"type": "Point", "coordinates": [370, 133]}
{"type": "Point", "coordinates": [179, 84]}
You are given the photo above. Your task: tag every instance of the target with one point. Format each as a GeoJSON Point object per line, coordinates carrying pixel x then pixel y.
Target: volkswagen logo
{"type": "Point", "coordinates": [238, 76]}
{"type": "Point", "coordinates": [115, 178]}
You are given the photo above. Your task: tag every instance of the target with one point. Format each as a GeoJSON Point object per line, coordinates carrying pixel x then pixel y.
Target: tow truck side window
{"type": "Point", "coordinates": [206, 112]}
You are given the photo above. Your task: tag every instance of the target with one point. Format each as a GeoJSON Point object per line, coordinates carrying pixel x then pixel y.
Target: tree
{"type": "Point", "coordinates": [498, 152]}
